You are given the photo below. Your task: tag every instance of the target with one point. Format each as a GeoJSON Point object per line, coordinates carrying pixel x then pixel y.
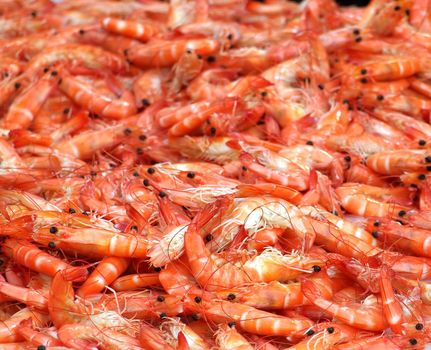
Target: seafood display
{"type": "Point", "coordinates": [215, 174]}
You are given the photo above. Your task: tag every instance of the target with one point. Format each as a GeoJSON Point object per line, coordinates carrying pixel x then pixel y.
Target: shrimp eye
{"type": "Point", "coordinates": [195, 317]}
{"type": "Point", "coordinates": [414, 185]}
{"type": "Point", "coordinates": [145, 102]}
{"type": "Point", "coordinates": [213, 130]}
{"type": "Point", "coordinates": [364, 80]}
{"type": "Point", "coordinates": [134, 228]}
{"type": "Point", "coordinates": [127, 131]}
{"type": "Point", "coordinates": [335, 212]}
{"type": "Point", "coordinates": [264, 93]}
{"type": "Point", "coordinates": [157, 269]}
{"type": "Point", "coordinates": [34, 14]}
{"type": "Point", "coordinates": [66, 111]}
{"type": "Point", "coordinates": [146, 182]}
{"type": "Point", "coordinates": [211, 59]}
{"type": "Point", "coordinates": [142, 137]}
{"type": "Point", "coordinates": [191, 174]}
{"type": "Point", "coordinates": [51, 245]}
{"type": "Point", "coordinates": [85, 213]}
{"type": "Point", "coordinates": [139, 151]}
{"type": "Point", "coordinates": [231, 296]}
{"type": "Point", "coordinates": [135, 173]}
{"type": "Point", "coordinates": [160, 298]}
{"type": "Point", "coordinates": [375, 234]}
{"type": "Point", "coordinates": [348, 158]}
{"type": "Point", "coordinates": [41, 347]}
{"type": "Point", "coordinates": [151, 171]}
{"type": "Point", "coordinates": [363, 71]}
{"type": "Point", "coordinates": [17, 86]}
{"type": "Point", "coordinates": [81, 32]}
{"type": "Point", "coordinates": [397, 8]}
{"type": "Point", "coordinates": [421, 177]}
{"type": "Point", "coordinates": [209, 237]}
{"type": "Point", "coordinates": [380, 97]}
{"type": "Point", "coordinates": [244, 168]}
{"type": "Point", "coordinates": [231, 324]}
{"type": "Point", "coordinates": [356, 32]}
{"type": "Point", "coordinates": [230, 36]}
{"type": "Point", "coordinates": [163, 315]}
{"type": "Point", "coordinates": [428, 159]}
{"type": "Point", "coordinates": [310, 332]}
{"type": "Point", "coordinates": [54, 73]}
{"type": "Point", "coordinates": [330, 330]}
{"type": "Point", "coordinates": [419, 326]}
{"type": "Point", "coordinates": [198, 299]}
{"type": "Point", "coordinates": [1, 262]}
{"type": "Point", "coordinates": [407, 12]}
{"type": "Point", "coordinates": [93, 173]}
{"type": "Point", "coordinates": [321, 86]}
{"type": "Point", "coordinates": [162, 194]}
{"type": "Point", "coordinates": [53, 229]}
{"type": "Point", "coordinates": [422, 142]}
{"type": "Point", "coordinates": [310, 143]}
{"type": "Point", "coordinates": [413, 341]}
{"type": "Point", "coordinates": [402, 213]}
{"type": "Point", "coordinates": [358, 39]}
{"type": "Point", "coordinates": [316, 268]}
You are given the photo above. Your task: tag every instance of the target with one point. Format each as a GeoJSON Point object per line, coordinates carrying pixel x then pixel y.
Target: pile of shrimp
{"type": "Point", "coordinates": [215, 174]}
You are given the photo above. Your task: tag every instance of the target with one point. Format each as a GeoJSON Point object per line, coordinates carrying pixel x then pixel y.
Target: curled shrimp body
{"type": "Point", "coordinates": [398, 162]}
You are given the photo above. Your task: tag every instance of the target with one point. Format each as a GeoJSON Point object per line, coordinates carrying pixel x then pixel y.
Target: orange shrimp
{"type": "Point", "coordinates": [21, 113]}
{"type": "Point", "coordinates": [383, 342]}
{"type": "Point", "coordinates": [229, 338]}
{"type": "Point", "coordinates": [37, 260]}
{"type": "Point", "coordinates": [85, 144]}
{"type": "Point", "coordinates": [153, 338]}
{"type": "Point", "coordinates": [31, 298]}
{"type": "Point", "coordinates": [78, 336]}
{"type": "Point", "coordinates": [93, 241]}
{"type": "Point", "coordinates": [247, 318]}
{"type": "Point", "coordinates": [367, 316]}
{"type": "Point", "coordinates": [277, 191]}
{"type": "Point", "coordinates": [159, 53]}
{"type": "Point", "coordinates": [140, 31]}
{"type": "Point", "coordinates": [86, 97]}
{"type": "Point", "coordinates": [214, 273]}
{"type": "Point", "coordinates": [371, 201]}
{"type": "Point", "coordinates": [397, 162]}
{"type": "Point", "coordinates": [106, 272]}
{"type": "Point", "coordinates": [136, 281]}
{"type": "Point", "coordinates": [36, 338]}
{"type": "Point", "coordinates": [9, 328]}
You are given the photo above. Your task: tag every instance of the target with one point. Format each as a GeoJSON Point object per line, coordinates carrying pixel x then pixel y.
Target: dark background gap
{"type": "Point", "coordinates": [350, 2]}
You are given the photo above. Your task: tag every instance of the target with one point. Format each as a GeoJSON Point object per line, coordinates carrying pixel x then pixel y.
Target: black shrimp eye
{"type": "Point", "coordinates": [316, 268]}
{"type": "Point", "coordinates": [421, 177]}
{"type": "Point", "coordinates": [81, 31]}
{"type": "Point", "coordinates": [1, 262]}
{"type": "Point", "coordinates": [142, 137]}
{"type": "Point", "coordinates": [348, 158]}
{"type": "Point", "coordinates": [231, 324]}
{"type": "Point", "coordinates": [146, 102]}
{"type": "Point", "coordinates": [146, 182]}
{"type": "Point", "coordinates": [244, 168]}
{"type": "Point", "coordinates": [358, 39]}
{"type": "Point", "coordinates": [330, 330]}
{"type": "Point", "coordinates": [191, 174]}
{"type": "Point", "coordinates": [127, 131]}
{"type": "Point", "coordinates": [160, 298]}
{"type": "Point", "coordinates": [157, 269]}
{"type": "Point", "coordinates": [213, 130]}
{"type": "Point", "coordinates": [422, 142]}
{"type": "Point", "coordinates": [419, 326]}
{"type": "Point", "coordinates": [310, 332]}
{"type": "Point", "coordinates": [66, 111]}
{"type": "Point", "coordinates": [231, 296]}
{"type": "Point", "coordinates": [397, 8]}
{"type": "Point", "coordinates": [230, 36]}
{"type": "Point", "coordinates": [310, 143]}
{"type": "Point", "coordinates": [413, 341]}
{"type": "Point", "coordinates": [380, 97]}
{"type": "Point", "coordinates": [34, 14]}
{"type": "Point", "coordinates": [135, 173]}
{"type": "Point", "coordinates": [321, 86]}
{"type": "Point", "coordinates": [195, 317]}
{"type": "Point", "coordinates": [53, 229]}
{"type": "Point", "coordinates": [41, 347]}
{"type": "Point", "coordinates": [17, 86]}
{"type": "Point", "coordinates": [356, 31]}
{"type": "Point", "coordinates": [51, 245]}
{"type": "Point", "coordinates": [428, 159]}
{"type": "Point", "coordinates": [211, 59]}
{"type": "Point", "coordinates": [151, 170]}
{"type": "Point", "coordinates": [208, 237]}
{"type": "Point", "coordinates": [376, 223]}
{"type": "Point", "coordinates": [375, 234]}
{"type": "Point", "coordinates": [134, 228]}
{"type": "Point", "coordinates": [363, 71]}
{"type": "Point", "coordinates": [198, 299]}
{"type": "Point", "coordinates": [163, 315]}
{"type": "Point", "coordinates": [402, 213]}
{"type": "Point", "coordinates": [162, 194]}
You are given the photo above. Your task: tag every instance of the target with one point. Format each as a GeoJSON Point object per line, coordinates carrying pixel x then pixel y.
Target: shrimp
{"type": "Point", "coordinates": [140, 31]}
{"type": "Point", "coordinates": [21, 113]}
{"type": "Point", "coordinates": [93, 242]}
{"type": "Point", "coordinates": [104, 274]}
{"type": "Point", "coordinates": [229, 338]}
{"type": "Point", "coordinates": [85, 144]}
{"type": "Point", "coordinates": [391, 69]}
{"type": "Point", "coordinates": [135, 281]}
{"type": "Point", "coordinates": [78, 336]}
{"type": "Point", "coordinates": [153, 339]}
{"type": "Point", "coordinates": [397, 162]}
{"type": "Point", "coordinates": [247, 318]}
{"type": "Point", "coordinates": [160, 53]}
{"type": "Point", "coordinates": [26, 330]}
{"type": "Point", "coordinates": [85, 96]}
{"type": "Point", "coordinates": [366, 316]}
{"type": "Point", "coordinates": [371, 201]}
{"type": "Point", "coordinates": [31, 298]}
{"type": "Point", "coordinates": [37, 260]}
{"type": "Point", "coordinates": [214, 273]}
